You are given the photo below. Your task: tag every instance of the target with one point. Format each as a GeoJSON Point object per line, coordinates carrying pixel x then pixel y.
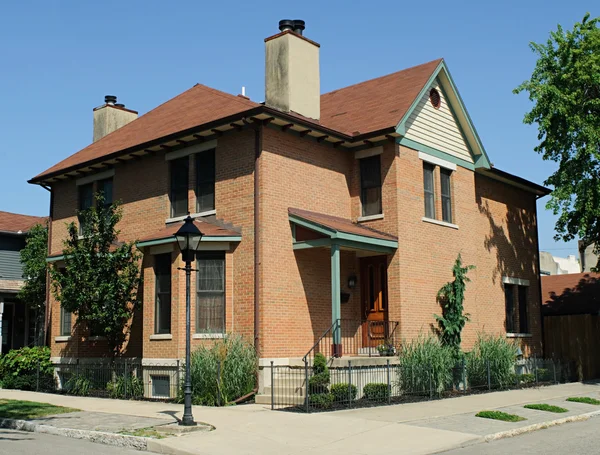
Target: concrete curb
{"type": "Point", "coordinates": [117, 440]}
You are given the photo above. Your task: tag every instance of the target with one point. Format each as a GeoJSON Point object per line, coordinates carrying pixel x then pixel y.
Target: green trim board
{"type": "Point", "coordinates": [480, 159]}
{"type": "Point", "coordinates": [320, 243]}
{"type": "Point", "coordinates": [204, 239]}
{"type": "Point", "coordinates": [55, 258]}
{"type": "Point", "coordinates": [435, 152]}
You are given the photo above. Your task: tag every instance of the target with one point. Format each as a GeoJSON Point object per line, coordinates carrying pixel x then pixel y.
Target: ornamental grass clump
{"type": "Point", "coordinates": [426, 366]}
{"type": "Point", "coordinates": [501, 355]}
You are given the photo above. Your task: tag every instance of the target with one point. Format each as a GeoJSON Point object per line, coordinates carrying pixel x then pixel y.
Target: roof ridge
{"type": "Point", "coordinates": [225, 94]}
{"type": "Point", "coordinates": [21, 214]}
{"type": "Point", "coordinates": [438, 60]}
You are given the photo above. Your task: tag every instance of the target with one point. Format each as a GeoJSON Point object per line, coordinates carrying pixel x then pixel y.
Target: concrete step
{"type": "Point", "coordinates": [294, 400]}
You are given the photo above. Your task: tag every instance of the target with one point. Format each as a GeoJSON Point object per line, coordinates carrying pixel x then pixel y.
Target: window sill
{"type": "Point", "coordinates": [440, 223]}
{"type": "Point", "coordinates": [379, 216]}
{"type": "Point", "coordinates": [207, 336]}
{"type": "Point", "coordinates": [519, 335]}
{"type": "Point", "coordinates": [62, 339]}
{"type": "Point", "coordinates": [161, 336]}
{"type": "Point", "coordinates": [96, 338]}
{"type": "Point", "coordinates": [193, 215]}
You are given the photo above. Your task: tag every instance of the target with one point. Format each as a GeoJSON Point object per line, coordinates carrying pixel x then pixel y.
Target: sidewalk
{"type": "Point", "coordinates": [415, 428]}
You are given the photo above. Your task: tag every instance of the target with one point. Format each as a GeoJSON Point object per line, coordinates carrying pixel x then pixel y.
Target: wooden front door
{"type": "Point", "coordinates": [374, 298]}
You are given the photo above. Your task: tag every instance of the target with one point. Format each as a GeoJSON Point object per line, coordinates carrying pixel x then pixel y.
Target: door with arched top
{"type": "Point", "coordinates": [374, 300]}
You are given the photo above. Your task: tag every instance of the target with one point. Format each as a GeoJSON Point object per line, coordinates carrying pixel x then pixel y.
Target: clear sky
{"type": "Point", "coordinates": [59, 59]}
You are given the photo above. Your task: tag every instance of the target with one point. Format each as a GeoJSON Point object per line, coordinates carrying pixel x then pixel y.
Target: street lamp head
{"type": "Point", "coordinates": [188, 238]}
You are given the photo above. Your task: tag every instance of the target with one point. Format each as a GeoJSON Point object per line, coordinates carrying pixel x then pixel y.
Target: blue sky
{"type": "Point", "coordinates": [59, 59]}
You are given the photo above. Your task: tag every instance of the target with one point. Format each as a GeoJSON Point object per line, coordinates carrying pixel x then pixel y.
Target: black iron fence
{"type": "Point", "coordinates": [362, 382]}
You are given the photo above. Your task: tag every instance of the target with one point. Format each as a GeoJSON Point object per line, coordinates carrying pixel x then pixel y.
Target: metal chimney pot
{"type": "Point", "coordinates": [286, 24]}
{"type": "Point", "coordinates": [299, 26]}
{"type": "Point", "coordinates": [110, 99]}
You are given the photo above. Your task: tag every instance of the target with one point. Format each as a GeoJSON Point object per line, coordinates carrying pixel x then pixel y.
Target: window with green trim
{"type": "Point", "coordinates": [445, 175]}
{"type": "Point", "coordinates": [210, 301]}
{"type": "Point", "coordinates": [179, 186]}
{"type": "Point", "coordinates": [205, 181]}
{"type": "Point", "coordinates": [429, 190]}
{"type": "Point", "coordinates": [370, 186]}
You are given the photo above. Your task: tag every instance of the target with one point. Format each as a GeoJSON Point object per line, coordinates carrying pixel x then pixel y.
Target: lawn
{"type": "Point", "coordinates": [27, 410]}
{"type": "Point", "coordinates": [498, 415]}
{"type": "Point", "coordinates": [586, 400]}
{"type": "Point", "coordinates": [545, 407]}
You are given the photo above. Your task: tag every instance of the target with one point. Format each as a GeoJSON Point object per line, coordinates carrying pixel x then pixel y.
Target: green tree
{"type": "Point", "coordinates": [101, 275]}
{"type": "Point", "coordinates": [33, 258]}
{"type": "Point", "coordinates": [565, 91]}
{"type": "Point", "coordinates": [451, 297]}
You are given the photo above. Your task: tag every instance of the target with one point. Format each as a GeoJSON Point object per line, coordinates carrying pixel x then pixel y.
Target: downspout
{"type": "Point", "coordinates": [47, 305]}
{"type": "Point", "coordinates": [539, 275]}
{"type": "Point", "coordinates": [257, 221]}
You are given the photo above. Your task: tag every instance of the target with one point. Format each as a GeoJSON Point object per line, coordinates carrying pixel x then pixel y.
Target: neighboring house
{"type": "Point", "coordinates": [587, 256]}
{"type": "Point", "coordinates": [349, 207]}
{"type": "Point", "coordinates": [18, 322]}
{"type": "Point", "coordinates": [571, 311]}
{"type": "Point", "coordinates": [554, 265]}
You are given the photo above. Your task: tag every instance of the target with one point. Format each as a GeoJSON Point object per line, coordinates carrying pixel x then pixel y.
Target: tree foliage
{"type": "Point", "coordinates": [451, 297]}
{"type": "Point", "coordinates": [565, 91]}
{"type": "Point", "coordinates": [33, 258]}
{"type": "Point", "coordinates": [101, 275]}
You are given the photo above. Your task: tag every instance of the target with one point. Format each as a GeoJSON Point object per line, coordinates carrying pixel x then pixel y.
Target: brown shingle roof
{"type": "Point", "coordinates": [375, 104]}
{"type": "Point", "coordinates": [196, 106]}
{"type": "Point", "coordinates": [17, 223]}
{"type": "Point", "coordinates": [340, 224]}
{"type": "Point", "coordinates": [208, 228]}
{"type": "Point", "coordinates": [358, 109]}
{"type": "Point", "coordinates": [573, 293]}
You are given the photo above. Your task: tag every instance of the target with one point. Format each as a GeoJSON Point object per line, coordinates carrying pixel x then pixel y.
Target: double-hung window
{"type": "Point", "coordinates": [179, 186]}
{"type": "Point", "coordinates": [517, 311]}
{"type": "Point", "coordinates": [429, 190]}
{"type": "Point", "coordinates": [210, 302]}
{"type": "Point", "coordinates": [105, 189]}
{"type": "Point", "coordinates": [523, 313]}
{"type": "Point", "coordinates": [509, 299]}
{"type": "Point", "coordinates": [370, 186]}
{"type": "Point", "coordinates": [205, 181]}
{"type": "Point", "coordinates": [86, 200]}
{"type": "Point", "coordinates": [446, 195]}
{"type": "Point", "coordinates": [162, 312]}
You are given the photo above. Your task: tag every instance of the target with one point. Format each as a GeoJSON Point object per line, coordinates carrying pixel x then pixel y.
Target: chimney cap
{"type": "Point", "coordinates": [110, 99]}
{"type": "Point", "coordinates": [286, 24]}
{"type": "Point", "coordinates": [299, 26]}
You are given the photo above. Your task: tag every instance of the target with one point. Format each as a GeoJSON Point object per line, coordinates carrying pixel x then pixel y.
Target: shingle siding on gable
{"type": "Point", "coordinates": [437, 128]}
{"type": "Point", "coordinates": [10, 258]}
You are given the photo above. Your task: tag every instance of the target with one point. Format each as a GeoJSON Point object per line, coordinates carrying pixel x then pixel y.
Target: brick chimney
{"type": "Point", "coordinates": [110, 117]}
{"type": "Point", "coordinates": [292, 82]}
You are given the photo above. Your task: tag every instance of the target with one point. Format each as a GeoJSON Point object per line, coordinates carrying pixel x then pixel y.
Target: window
{"type": "Point", "coordinates": [105, 188]}
{"type": "Point", "coordinates": [162, 313]}
{"type": "Point", "coordinates": [205, 181]}
{"type": "Point", "coordinates": [179, 186]}
{"type": "Point", "coordinates": [446, 195]}
{"type": "Point", "coordinates": [523, 316]}
{"type": "Point", "coordinates": [370, 185]}
{"type": "Point", "coordinates": [161, 386]}
{"type": "Point", "coordinates": [210, 303]}
{"type": "Point", "coordinates": [429, 191]}
{"type": "Point", "coordinates": [65, 322]}
{"type": "Point", "coordinates": [509, 297]}
{"type": "Point", "coordinates": [86, 200]}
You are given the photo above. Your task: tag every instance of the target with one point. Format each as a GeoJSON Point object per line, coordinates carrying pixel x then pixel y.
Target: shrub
{"type": "Point", "coordinates": [79, 384]}
{"type": "Point", "coordinates": [322, 400]}
{"type": "Point", "coordinates": [319, 381]}
{"type": "Point", "coordinates": [344, 392]}
{"type": "Point", "coordinates": [526, 378]}
{"type": "Point", "coordinates": [123, 386]}
{"type": "Point", "coordinates": [234, 360]}
{"type": "Point", "coordinates": [19, 369]}
{"type": "Point", "coordinates": [545, 375]}
{"type": "Point", "coordinates": [501, 355]}
{"type": "Point", "coordinates": [423, 359]}
{"type": "Point", "coordinates": [375, 391]}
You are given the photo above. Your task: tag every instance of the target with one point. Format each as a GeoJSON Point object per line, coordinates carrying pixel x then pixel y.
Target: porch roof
{"type": "Point", "coordinates": [341, 231]}
{"type": "Point", "coordinates": [212, 231]}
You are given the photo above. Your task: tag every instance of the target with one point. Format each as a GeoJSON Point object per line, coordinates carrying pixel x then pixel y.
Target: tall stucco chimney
{"type": "Point", "coordinates": [292, 81]}
{"type": "Point", "coordinates": [110, 117]}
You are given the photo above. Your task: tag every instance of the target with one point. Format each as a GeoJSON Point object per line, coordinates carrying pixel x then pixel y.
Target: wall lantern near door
{"type": "Point", "coordinates": [352, 282]}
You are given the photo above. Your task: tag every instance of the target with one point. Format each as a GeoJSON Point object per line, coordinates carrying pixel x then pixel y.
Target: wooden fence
{"type": "Point", "coordinates": [574, 338]}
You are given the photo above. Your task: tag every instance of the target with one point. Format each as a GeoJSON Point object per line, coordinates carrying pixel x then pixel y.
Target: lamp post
{"type": "Point", "coordinates": [188, 238]}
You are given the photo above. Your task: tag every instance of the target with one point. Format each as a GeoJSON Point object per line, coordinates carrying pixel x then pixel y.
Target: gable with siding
{"type": "Point", "coordinates": [437, 128]}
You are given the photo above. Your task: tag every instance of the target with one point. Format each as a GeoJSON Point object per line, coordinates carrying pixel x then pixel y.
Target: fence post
{"type": "Point", "coordinates": [306, 385]}
{"type": "Point", "coordinates": [535, 368]}
{"type": "Point", "coordinates": [218, 383]}
{"type": "Point", "coordinates": [349, 383]}
{"type": "Point", "coordinates": [554, 368]}
{"type": "Point", "coordinates": [37, 383]}
{"type": "Point", "coordinates": [489, 375]}
{"type": "Point", "coordinates": [177, 376]}
{"type": "Point", "coordinates": [272, 388]}
{"type": "Point", "coordinates": [464, 375]}
{"type": "Point", "coordinates": [389, 384]}
{"type": "Point", "coordinates": [125, 378]}
{"type": "Point", "coordinates": [430, 368]}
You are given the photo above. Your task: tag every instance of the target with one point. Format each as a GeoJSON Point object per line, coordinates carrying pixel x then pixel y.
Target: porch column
{"type": "Point", "coordinates": [336, 290]}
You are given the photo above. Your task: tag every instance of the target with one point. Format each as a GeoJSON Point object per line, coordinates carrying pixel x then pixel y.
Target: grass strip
{"type": "Point", "coordinates": [586, 400]}
{"type": "Point", "coordinates": [144, 432]}
{"type": "Point", "coordinates": [545, 407]}
{"type": "Point", "coordinates": [499, 415]}
{"type": "Point", "coordinates": [27, 410]}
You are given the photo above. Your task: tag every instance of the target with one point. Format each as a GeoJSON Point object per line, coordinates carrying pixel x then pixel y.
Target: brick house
{"type": "Point", "coordinates": [349, 206]}
{"type": "Point", "coordinates": [18, 323]}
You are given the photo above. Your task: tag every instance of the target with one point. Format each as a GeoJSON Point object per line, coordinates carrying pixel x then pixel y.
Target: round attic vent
{"type": "Point", "coordinates": [435, 98]}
